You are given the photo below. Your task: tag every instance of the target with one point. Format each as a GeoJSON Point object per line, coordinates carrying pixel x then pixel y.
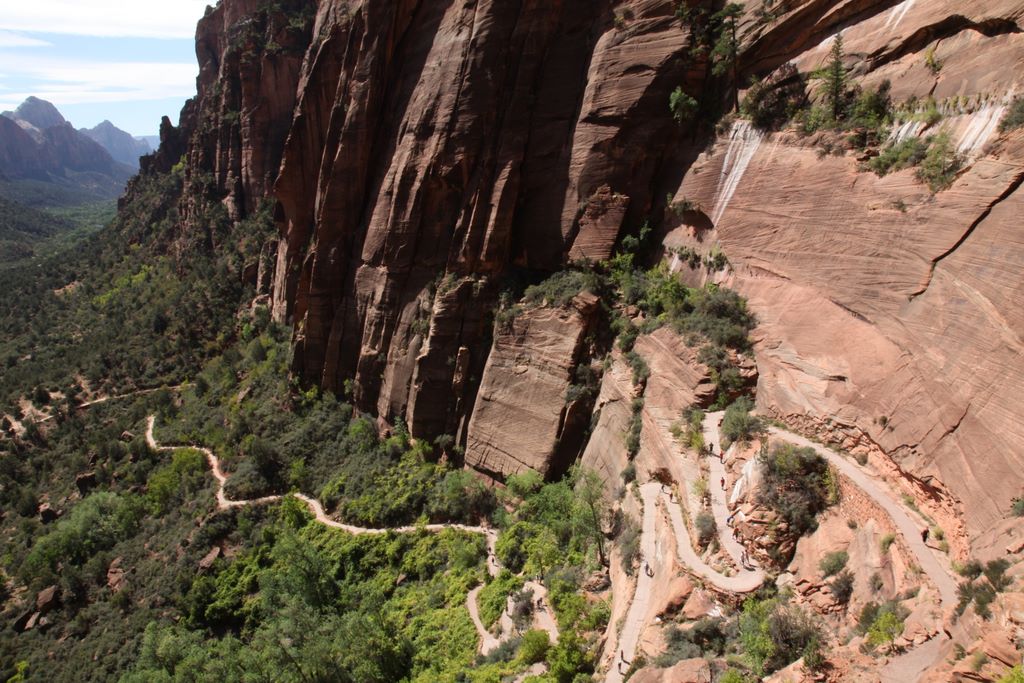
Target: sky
{"type": "Point", "coordinates": [128, 61]}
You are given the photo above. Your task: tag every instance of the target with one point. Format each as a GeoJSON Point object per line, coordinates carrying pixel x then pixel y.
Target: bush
{"type": "Point", "coordinates": [738, 424]}
{"type": "Point", "coordinates": [995, 572]}
{"type": "Point", "coordinates": [898, 156]}
{"type": "Point", "coordinates": [522, 608]}
{"type": "Point", "coordinates": [773, 634]}
{"type": "Point", "coordinates": [885, 629]}
{"type": "Point", "coordinates": [560, 288]}
{"type": "Point", "coordinates": [460, 496]}
{"type": "Point", "coordinates": [832, 563]}
{"type": "Point", "coordinates": [842, 587]}
{"type": "Point", "coordinates": [534, 646]}
{"type": "Point", "coordinates": [641, 371]}
{"type": "Point", "coordinates": [1014, 117]}
{"type": "Point", "coordinates": [683, 106]}
{"type": "Point", "coordinates": [971, 570]}
{"type": "Point", "coordinates": [636, 425]}
{"type": "Point", "coordinates": [629, 543]}
{"type": "Point", "coordinates": [771, 104]}
{"type": "Point", "coordinates": [493, 598]}
{"type": "Point", "coordinates": [1017, 507]}
{"type": "Point", "coordinates": [706, 528]}
{"type": "Point", "coordinates": [1014, 675]}
{"type": "Point", "coordinates": [795, 486]}
{"type": "Point", "coordinates": [886, 542]}
{"type": "Point", "coordinates": [940, 165]}
{"type": "Point", "coordinates": [97, 523]}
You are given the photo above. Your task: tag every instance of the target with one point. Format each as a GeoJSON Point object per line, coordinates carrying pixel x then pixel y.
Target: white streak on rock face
{"type": "Point", "coordinates": [982, 126]}
{"type": "Point", "coordinates": [744, 141]}
{"type": "Point", "coordinates": [897, 14]}
{"type": "Point", "coordinates": [747, 480]}
{"type": "Point", "coordinates": [910, 129]}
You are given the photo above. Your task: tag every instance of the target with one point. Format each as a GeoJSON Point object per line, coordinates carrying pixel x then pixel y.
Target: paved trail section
{"type": "Point", "coordinates": [910, 665]}
{"type": "Point", "coordinates": [542, 618]}
{"type": "Point", "coordinates": [902, 669]}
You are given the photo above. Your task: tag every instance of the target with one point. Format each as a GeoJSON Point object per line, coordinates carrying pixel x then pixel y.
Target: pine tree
{"type": "Point", "coordinates": [835, 79]}
{"type": "Point", "coordinates": [725, 53]}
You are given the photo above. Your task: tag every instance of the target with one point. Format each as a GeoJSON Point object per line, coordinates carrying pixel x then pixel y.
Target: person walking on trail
{"type": "Point", "coordinates": [924, 535]}
{"type": "Point", "coordinates": [723, 483]}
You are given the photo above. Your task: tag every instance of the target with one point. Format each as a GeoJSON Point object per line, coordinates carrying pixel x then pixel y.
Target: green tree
{"type": "Point", "coordinates": [835, 79]}
{"type": "Point", "coordinates": [725, 53]}
{"type": "Point", "coordinates": [592, 509]}
{"type": "Point", "coordinates": [534, 647]}
{"type": "Point", "coordinates": [755, 634]}
{"type": "Point", "coordinates": [885, 630]}
{"type": "Point", "coordinates": [683, 106]}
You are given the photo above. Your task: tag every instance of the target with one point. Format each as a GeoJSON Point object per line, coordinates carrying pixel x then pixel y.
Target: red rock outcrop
{"type": "Point", "coordinates": [524, 417]}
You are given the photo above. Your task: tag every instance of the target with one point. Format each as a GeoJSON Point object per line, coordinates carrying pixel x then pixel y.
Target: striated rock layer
{"type": "Point", "coordinates": [423, 156]}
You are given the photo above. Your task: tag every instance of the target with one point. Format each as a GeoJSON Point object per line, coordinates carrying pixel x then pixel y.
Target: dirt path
{"type": "Point", "coordinates": [542, 619]}
{"type": "Point", "coordinates": [116, 397]}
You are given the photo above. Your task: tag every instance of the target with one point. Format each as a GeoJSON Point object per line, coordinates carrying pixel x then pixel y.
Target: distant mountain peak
{"type": "Point", "coordinates": [121, 145]}
{"type": "Point", "coordinates": [39, 113]}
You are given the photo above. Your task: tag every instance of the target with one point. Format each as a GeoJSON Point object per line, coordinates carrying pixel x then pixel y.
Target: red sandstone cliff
{"type": "Point", "coordinates": [421, 152]}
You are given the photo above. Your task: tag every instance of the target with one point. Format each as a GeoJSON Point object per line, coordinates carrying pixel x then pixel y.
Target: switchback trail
{"type": "Point", "coordinates": [906, 667]}
{"type": "Point", "coordinates": [910, 665]}
{"type": "Point", "coordinates": [542, 617]}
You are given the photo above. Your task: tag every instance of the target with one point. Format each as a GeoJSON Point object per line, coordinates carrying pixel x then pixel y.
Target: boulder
{"type": "Point", "coordinates": [85, 482]}
{"type": "Point", "coordinates": [47, 599]}
{"type": "Point", "coordinates": [700, 604]}
{"type": "Point", "coordinates": [686, 671]}
{"type": "Point", "coordinates": [47, 514]}
{"type": "Point", "coordinates": [115, 575]}
{"type": "Point", "coordinates": [207, 562]}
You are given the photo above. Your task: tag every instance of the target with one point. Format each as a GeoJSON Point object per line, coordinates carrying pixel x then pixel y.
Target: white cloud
{"type": "Point", "coordinates": [105, 18]}
{"type": "Point", "coordinates": [70, 81]}
{"type": "Point", "coordinates": [8, 39]}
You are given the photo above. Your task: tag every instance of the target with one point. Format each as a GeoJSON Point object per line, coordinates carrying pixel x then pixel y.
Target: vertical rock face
{"type": "Point", "coordinates": [523, 417]}
{"type": "Point", "coordinates": [419, 153]}
{"type": "Point", "coordinates": [250, 54]}
{"type": "Point", "coordinates": [466, 138]}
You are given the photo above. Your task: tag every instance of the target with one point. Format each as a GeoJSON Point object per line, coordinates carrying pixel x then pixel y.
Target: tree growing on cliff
{"type": "Point", "coordinates": [835, 79]}
{"type": "Point", "coordinates": [725, 53]}
{"type": "Point", "coordinates": [683, 106]}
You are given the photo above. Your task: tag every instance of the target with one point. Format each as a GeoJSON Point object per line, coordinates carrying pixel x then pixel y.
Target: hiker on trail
{"type": "Point", "coordinates": [723, 483]}
{"type": "Point", "coordinates": [728, 520]}
{"type": "Point", "coordinates": [924, 535]}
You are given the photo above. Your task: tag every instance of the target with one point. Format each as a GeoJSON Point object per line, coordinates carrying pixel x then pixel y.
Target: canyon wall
{"type": "Point", "coordinates": [423, 157]}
